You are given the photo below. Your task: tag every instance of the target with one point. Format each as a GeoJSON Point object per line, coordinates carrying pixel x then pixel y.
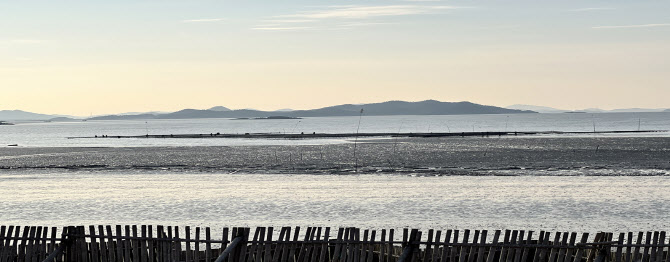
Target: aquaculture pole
{"type": "Point", "coordinates": [360, 116]}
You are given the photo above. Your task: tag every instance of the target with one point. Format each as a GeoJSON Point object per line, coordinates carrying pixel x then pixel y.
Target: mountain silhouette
{"type": "Point", "coordinates": [428, 107]}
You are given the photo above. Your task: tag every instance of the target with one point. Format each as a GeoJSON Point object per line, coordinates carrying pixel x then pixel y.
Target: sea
{"type": "Point", "coordinates": [82, 133]}
{"type": "Point", "coordinates": [48, 197]}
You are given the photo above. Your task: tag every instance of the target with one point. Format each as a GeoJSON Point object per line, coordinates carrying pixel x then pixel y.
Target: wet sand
{"type": "Point", "coordinates": [429, 156]}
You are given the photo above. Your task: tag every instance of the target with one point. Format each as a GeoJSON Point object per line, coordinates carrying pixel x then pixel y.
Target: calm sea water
{"type": "Point", "coordinates": [590, 204]}
{"type": "Point", "coordinates": [56, 134]}
{"type": "Point", "coordinates": [575, 203]}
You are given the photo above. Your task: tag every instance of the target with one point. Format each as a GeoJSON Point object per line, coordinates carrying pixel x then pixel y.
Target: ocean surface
{"type": "Point", "coordinates": [581, 204]}
{"type": "Point", "coordinates": [600, 192]}
{"type": "Point", "coordinates": [56, 134]}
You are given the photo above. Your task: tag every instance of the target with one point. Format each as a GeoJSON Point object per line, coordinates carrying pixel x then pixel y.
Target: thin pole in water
{"type": "Point", "coordinates": [593, 118]}
{"type": "Point", "coordinates": [639, 121]}
{"type": "Point", "coordinates": [146, 126]}
{"type": "Point", "coordinates": [360, 116]}
{"type": "Point", "coordinates": [506, 122]}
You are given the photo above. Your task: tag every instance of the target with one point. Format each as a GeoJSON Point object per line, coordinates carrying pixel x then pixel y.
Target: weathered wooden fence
{"type": "Point", "coordinates": [159, 243]}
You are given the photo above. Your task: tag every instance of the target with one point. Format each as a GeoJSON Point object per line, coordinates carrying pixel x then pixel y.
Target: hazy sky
{"type": "Point", "coordinates": [95, 57]}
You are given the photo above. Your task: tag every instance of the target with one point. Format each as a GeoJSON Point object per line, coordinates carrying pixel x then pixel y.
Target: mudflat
{"type": "Point", "coordinates": [533, 155]}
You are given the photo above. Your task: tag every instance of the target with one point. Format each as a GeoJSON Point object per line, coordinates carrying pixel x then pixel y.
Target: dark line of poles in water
{"type": "Point", "coordinates": [354, 135]}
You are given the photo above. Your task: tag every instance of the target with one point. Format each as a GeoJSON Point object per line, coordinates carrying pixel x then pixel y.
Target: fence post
{"type": "Point", "coordinates": [412, 246]}
{"type": "Point", "coordinates": [66, 243]}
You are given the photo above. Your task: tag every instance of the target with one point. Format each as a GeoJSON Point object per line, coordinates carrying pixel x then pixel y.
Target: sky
{"type": "Point", "coordinates": [96, 57]}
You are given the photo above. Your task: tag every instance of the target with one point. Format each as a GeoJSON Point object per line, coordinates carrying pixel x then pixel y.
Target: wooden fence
{"type": "Point", "coordinates": [160, 243]}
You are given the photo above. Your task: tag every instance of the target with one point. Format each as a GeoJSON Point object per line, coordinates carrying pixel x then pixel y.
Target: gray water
{"type": "Point", "coordinates": [556, 203]}
{"type": "Point", "coordinates": [582, 204]}
{"type": "Point", "coordinates": [55, 134]}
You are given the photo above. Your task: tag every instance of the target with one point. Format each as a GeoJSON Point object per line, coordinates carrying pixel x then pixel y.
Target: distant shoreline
{"type": "Point", "coordinates": [315, 135]}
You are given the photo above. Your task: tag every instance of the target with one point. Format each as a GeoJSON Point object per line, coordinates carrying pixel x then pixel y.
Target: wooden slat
{"type": "Point", "coordinates": [436, 248]}
{"type": "Point", "coordinates": [645, 253]}
{"type": "Point", "coordinates": [518, 252]}
{"type": "Point", "coordinates": [545, 241]}
{"type": "Point", "coordinates": [652, 255]}
{"type": "Point", "coordinates": [233, 235]}
{"type": "Point", "coordinates": [4, 249]}
{"type": "Point", "coordinates": [454, 248]}
{"type": "Point", "coordinates": [260, 247]}
{"type": "Point", "coordinates": [280, 246]}
{"type": "Point", "coordinates": [503, 250]}
{"type": "Point", "coordinates": [629, 250]}
{"type": "Point", "coordinates": [324, 247]}
{"type": "Point", "coordinates": [356, 247]}
{"type": "Point", "coordinates": [390, 245]}
{"type": "Point", "coordinates": [196, 246]}
{"type": "Point", "coordinates": [36, 244]}
{"type": "Point", "coordinates": [473, 249]}
{"type": "Point", "coordinates": [661, 242]}
{"type": "Point", "coordinates": [208, 245]}
{"type": "Point", "coordinates": [43, 246]}
{"type": "Point", "coordinates": [144, 257]}
{"type": "Point", "coordinates": [493, 249]}
{"type": "Point", "coordinates": [187, 237]}
{"type": "Point", "coordinates": [95, 252]}
{"type": "Point", "coordinates": [293, 247]}
{"type": "Point", "coordinates": [286, 246]}
{"type": "Point", "coordinates": [482, 249]}
{"type": "Point", "coordinates": [126, 243]}
{"type": "Point", "coordinates": [312, 255]}
{"type": "Point", "coordinates": [224, 237]}
{"type": "Point", "coordinates": [135, 245]}
{"type": "Point", "coordinates": [526, 250]}
{"type": "Point", "coordinates": [569, 252]}
{"type": "Point", "coordinates": [464, 248]}
{"type": "Point", "coordinates": [428, 251]}
{"type": "Point", "coordinates": [580, 251]}
{"type": "Point", "coordinates": [268, 247]}
{"type": "Point", "coordinates": [554, 251]}
{"type": "Point", "coordinates": [81, 244]}
{"type": "Point", "coordinates": [445, 248]}
{"type": "Point", "coordinates": [22, 243]}
{"type": "Point", "coordinates": [512, 251]}
{"type": "Point", "coordinates": [344, 255]}
{"type": "Point", "coordinates": [636, 252]}
{"type": "Point", "coordinates": [619, 250]}
{"type": "Point", "coordinates": [151, 244]}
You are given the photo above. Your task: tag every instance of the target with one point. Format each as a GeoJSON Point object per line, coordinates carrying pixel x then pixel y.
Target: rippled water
{"type": "Point", "coordinates": [55, 134]}
{"type": "Point", "coordinates": [371, 201]}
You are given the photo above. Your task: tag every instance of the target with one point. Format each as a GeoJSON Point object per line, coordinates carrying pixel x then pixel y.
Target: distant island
{"type": "Point", "coordinates": [428, 107]}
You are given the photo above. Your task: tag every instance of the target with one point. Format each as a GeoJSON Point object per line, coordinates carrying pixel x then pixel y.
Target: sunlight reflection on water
{"type": "Point", "coordinates": [591, 204]}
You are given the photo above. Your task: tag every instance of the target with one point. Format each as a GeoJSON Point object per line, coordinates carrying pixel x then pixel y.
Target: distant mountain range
{"type": "Point", "coordinates": [19, 115]}
{"type": "Point", "coordinates": [428, 107]}
{"type": "Point", "coordinates": [544, 109]}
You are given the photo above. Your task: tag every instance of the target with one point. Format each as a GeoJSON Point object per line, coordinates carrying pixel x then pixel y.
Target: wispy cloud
{"type": "Point", "coordinates": [363, 24]}
{"type": "Point", "coordinates": [630, 26]}
{"type": "Point", "coordinates": [289, 20]}
{"type": "Point", "coordinates": [277, 28]}
{"type": "Point", "coordinates": [587, 9]}
{"type": "Point", "coordinates": [339, 17]}
{"type": "Point", "coordinates": [361, 12]}
{"type": "Point", "coordinates": [204, 20]}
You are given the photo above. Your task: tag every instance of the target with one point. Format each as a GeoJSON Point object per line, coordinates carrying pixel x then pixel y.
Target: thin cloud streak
{"type": "Point", "coordinates": [297, 28]}
{"type": "Point", "coordinates": [630, 26]}
{"type": "Point", "coordinates": [592, 9]}
{"type": "Point", "coordinates": [205, 20]}
{"type": "Point", "coordinates": [362, 12]}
